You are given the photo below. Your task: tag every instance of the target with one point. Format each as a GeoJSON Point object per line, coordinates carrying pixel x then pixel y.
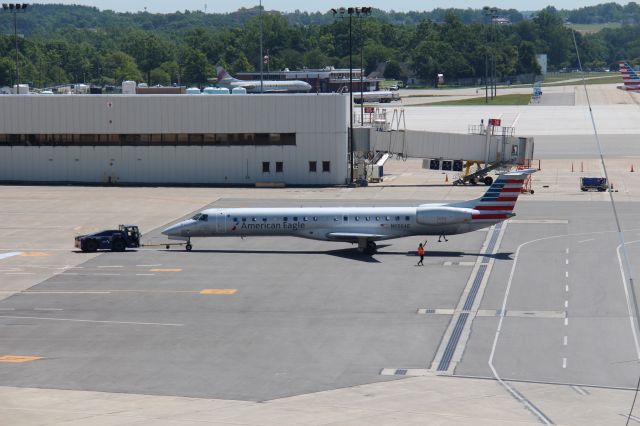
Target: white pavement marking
{"type": "Point", "coordinates": [8, 255]}
{"type": "Point", "coordinates": [20, 273]}
{"type": "Point", "coordinates": [145, 275]}
{"type": "Point", "coordinates": [626, 294]}
{"type": "Point", "coordinates": [55, 292]}
{"type": "Point", "coordinates": [147, 266]}
{"type": "Point", "coordinates": [566, 274]}
{"type": "Point", "coordinates": [566, 262]}
{"type": "Point", "coordinates": [7, 309]}
{"type": "Point", "coordinates": [566, 288]}
{"type": "Point", "coordinates": [540, 221]}
{"type": "Point", "coordinates": [92, 321]}
{"type": "Point", "coordinates": [566, 321]}
{"type": "Point", "coordinates": [564, 363]}
{"type": "Point", "coordinates": [103, 274]}
{"type": "Point", "coordinates": [566, 303]}
{"type": "Point", "coordinates": [567, 250]}
{"type": "Point", "coordinates": [584, 241]}
{"type": "Point", "coordinates": [564, 341]}
{"type": "Point", "coordinates": [111, 266]}
{"type": "Point", "coordinates": [48, 309]}
{"type": "Point", "coordinates": [579, 390]}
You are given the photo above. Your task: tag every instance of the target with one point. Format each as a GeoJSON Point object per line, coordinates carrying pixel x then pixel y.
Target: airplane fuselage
{"type": "Point", "coordinates": [332, 223]}
{"type": "Point", "coordinates": [268, 86]}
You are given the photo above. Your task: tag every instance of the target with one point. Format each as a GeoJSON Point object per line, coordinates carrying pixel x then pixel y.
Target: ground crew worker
{"type": "Point", "coordinates": [421, 253]}
{"type": "Point", "coordinates": [442, 236]}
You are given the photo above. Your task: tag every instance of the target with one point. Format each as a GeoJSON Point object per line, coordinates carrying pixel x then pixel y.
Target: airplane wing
{"type": "Point", "coordinates": [353, 236]}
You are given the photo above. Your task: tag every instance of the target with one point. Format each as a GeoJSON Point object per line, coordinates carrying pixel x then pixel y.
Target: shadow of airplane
{"type": "Point", "coordinates": [354, 254]}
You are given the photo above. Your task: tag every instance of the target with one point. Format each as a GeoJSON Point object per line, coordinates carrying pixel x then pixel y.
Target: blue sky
{"type": "Point", "coordinates": [164, 6]}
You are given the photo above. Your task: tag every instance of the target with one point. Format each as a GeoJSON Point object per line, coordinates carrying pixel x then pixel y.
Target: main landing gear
{"type": "Point", "coordinates": [368, 247]}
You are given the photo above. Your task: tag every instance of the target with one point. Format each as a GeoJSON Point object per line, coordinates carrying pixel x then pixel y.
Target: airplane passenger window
{"type": "Point", "coordinates": [315, 218]}
{"type": "Point", "coordinates": [346, 218]}
{"type": "Point", "coordinates": [397, 217]}
{"type": "Point", "coordinates": [357, 218]}
{"type": "Point", "coordinates": [254, 219]}
{"type": "Point", "coordinates": [284, 219]}
{"type": "Point", "coordinates": [306, 219]}
{"type": "Point", "coordinates": [295, 218]}
{"type": "Point", "coordinates": [235, 219]}
{"type": "Point", "coordinates": [244, 219]}
{"type": "Point", "coordinates": [264, 219]}
{"type": "Point", "coordinates": [377, 218]}
{"type": "Point", "coordinates": [406, 218]}
{"type": "Point", "coordinates": [387, 218]}
{"type": "Point", "coordinates": [367, 218]}
{"type": "Point", "coordinates": [336, 219]}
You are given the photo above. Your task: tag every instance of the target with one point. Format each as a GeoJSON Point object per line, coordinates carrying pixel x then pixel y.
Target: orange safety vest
{"type": "Point", "coordinates": [420, 251]}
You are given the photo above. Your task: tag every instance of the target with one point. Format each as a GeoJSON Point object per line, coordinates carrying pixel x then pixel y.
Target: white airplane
{"type": "Point", "coordinates": [361, 225]}
{"type": "Point", "coordinates": [268, 86]}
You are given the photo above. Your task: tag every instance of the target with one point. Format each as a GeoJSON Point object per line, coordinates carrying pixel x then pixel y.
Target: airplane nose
{"type": "Point", "coordinates": [171, 230]}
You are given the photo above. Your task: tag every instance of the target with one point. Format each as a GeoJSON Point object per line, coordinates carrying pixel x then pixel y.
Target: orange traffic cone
{"type": "Point", "coordinates": [631, 169]}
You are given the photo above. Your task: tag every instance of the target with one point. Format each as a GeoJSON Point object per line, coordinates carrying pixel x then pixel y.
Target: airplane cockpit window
{"type": "Point", "coordinates": [197, 216]}
{"type": "Point", "coordinates": [204, 217]}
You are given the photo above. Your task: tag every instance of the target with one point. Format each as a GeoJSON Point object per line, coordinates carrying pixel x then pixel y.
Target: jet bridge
{"type": "Point", "coordinates": [487, 147]}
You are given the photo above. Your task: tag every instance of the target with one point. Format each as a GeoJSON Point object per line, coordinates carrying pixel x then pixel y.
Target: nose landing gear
{"type": "Point", "coordinates": [188, 247]}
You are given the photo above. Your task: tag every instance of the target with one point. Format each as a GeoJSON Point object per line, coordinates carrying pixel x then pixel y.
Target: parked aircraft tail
{"type": "Point", "coordinates": [499, 200]}
{"type": "Point", "coordinates": [223, 74]}
{"type": "Point", "coordinates": [630, 78]}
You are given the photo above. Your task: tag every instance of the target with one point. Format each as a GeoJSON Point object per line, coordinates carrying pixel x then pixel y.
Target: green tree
{"type": "Point", "coordinates": [119, 66]}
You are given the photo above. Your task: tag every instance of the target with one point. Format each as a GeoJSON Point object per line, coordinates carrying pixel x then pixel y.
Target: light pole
{"type": "Point", "coordinates": [492, 14]}
{"type": "Point", "coordinates": [351, 11]}
{"type": "Point", "coordinates": [261, 57]}
{"type": "Point", "coordinates": [14, 8]}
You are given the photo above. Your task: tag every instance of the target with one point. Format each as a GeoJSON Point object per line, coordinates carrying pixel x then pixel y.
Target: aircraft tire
{"type": "Point", "coordinates": [372, 248]}
{"type": "Point", "coordinates": [188, 247]}
{"type": "Point", "coordinates": [488, 180]}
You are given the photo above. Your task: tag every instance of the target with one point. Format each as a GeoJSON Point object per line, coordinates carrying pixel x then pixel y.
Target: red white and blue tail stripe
{"type": "Point", "coordinates": [500, 199]}
{"type": "Point", "coordinates": [630, 78]}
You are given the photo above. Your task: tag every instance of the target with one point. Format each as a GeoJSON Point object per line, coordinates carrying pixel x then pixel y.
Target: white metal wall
{"type": "Point", "coordinates": [319, 121]}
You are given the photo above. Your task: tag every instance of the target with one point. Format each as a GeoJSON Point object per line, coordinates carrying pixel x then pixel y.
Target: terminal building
{"type": "Point", "coordinates": [175, 139]}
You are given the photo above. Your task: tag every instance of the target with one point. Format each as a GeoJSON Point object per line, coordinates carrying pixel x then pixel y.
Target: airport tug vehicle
{"type": "Point", "coordinates": [126, 236]}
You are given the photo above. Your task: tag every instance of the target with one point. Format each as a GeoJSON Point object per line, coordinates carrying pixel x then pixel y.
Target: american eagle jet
{"type": "Point", "coordinates": [361, 225]}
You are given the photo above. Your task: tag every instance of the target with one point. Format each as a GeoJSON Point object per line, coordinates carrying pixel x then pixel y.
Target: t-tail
{"type": "Point", "coordinates": [630, 78]}
{"type": "Point", "coordinates": [498, 202]}
{"type": "Point", "coordinates": [222, 74]}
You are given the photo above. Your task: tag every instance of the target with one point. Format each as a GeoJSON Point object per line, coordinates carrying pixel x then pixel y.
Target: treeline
{"type": "Point", "coordinates": [82, 44]}
{"type": "Point", "coordinates": [604, 13]}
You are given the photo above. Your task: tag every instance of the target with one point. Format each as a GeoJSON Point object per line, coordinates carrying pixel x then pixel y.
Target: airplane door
{"type": "Point", "coordinates": [221, 222]}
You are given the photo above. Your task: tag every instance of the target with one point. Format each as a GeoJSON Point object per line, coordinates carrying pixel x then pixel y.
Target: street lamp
{"type": "Point", "coordinates": [350, 11]}
{"type": "Point", "coordinates": [15, 8]}
{"type": "Point", "coordinates": [491, 13]}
